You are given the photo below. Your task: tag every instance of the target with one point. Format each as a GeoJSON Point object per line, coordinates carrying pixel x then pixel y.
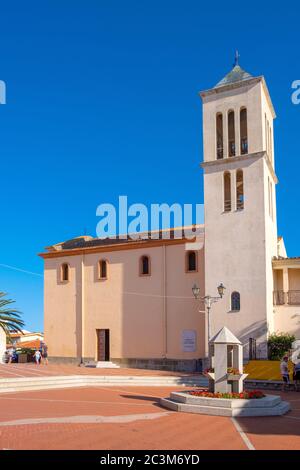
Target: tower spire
{"type": "Point", "coordinates": [236, 58]}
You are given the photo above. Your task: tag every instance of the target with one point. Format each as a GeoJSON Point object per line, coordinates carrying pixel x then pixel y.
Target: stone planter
{"type": "Point", "coordinates": [270, 405]}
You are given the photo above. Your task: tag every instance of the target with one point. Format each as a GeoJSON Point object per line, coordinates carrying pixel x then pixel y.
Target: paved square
{"type": "Point", "coordinates": [131, 418]}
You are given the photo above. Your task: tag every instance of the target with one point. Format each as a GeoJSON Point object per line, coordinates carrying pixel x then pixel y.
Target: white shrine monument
{"type": "Point", "coordinates": [225, 376]}
{"type": "Point", "coordinates": [226, 361]}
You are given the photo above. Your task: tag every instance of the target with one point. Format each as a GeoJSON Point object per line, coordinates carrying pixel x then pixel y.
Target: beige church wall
{"type": "Point", "coordinates": [270, 245]}
{"type": "Point", "coordinates": [267, 113]}
{"type": "Point", "coordinates": [287, 319]}
{"type": "Point", "coordinates": [128, 304]}
{"type": "Point", "coordinates": [2, 345]}
{"type": "Point", "coordinates": [62, 320]}
{"type": "Point", "coordinates": [183, 312]}
{"type": "Point", "coordinates": [146, 315]}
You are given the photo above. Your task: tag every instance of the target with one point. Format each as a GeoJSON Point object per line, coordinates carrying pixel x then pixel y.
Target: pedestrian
{"type": "Point", "coordinates": [296, 376]}
{"type": "Point", "coordinates": [10, 355]}
{"type": "Point", "coordinates": [45, 353]}
{"type": "Point", "coordinates": [37, 356]}
{"type": "Point", "coordinates": [284, 370]}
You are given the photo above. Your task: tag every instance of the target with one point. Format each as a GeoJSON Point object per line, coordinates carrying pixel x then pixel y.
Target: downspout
{"type": "Point", "coordinates": [82, 309]}
{"type": "Point", "coordinates": [165, 319]}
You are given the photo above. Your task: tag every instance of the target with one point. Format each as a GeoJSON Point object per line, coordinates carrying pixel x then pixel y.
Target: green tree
{"type": "Point", "coordinates": [279, 344]}
{"type": "Point", "coordinates": [10, 319]}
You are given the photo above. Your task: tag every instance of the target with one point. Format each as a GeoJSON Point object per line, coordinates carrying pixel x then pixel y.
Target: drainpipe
{"type": "Point", "coordinates": [165, 321]}
{"type": "Point", "coordinates": [82, 310]}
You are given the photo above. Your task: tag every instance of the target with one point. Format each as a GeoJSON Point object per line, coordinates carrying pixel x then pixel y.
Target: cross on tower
{"type": "Point", "coordinates": [236, 58]}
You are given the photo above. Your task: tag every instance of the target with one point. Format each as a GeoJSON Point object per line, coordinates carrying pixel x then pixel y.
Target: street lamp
{"type": "Point", "coordinates": [208, 301]}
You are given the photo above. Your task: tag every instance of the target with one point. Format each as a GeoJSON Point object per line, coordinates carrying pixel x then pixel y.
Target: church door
{"type": "Point", "coordinates": [102, 345]}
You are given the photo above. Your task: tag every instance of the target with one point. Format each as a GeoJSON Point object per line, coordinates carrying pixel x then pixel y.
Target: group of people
{"type": "Point", "coordinates": [41, 355]}
{"type": "Point", "coordinates": [285, 374]}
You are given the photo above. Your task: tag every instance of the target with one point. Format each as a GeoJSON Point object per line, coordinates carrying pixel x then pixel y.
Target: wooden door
{"type": "Point", "coordinates": [103, 345]}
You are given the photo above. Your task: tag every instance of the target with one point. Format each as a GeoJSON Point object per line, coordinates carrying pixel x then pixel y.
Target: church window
{"type": "Point", "coordinates": [239, 190]}
{"type": "Point", "coordinates": [243, 131]}
{"type": "Point", "coordinates": [191, 261]}
{"type": "Point", "coordinates": [231, 134]}
{"type": "Point", "coordinates": [227, 192]}
{"type": "Point", "coordinates": [64, 272]}
{"type": "Point", "coordinates": [145, 266]}
{"type": "Point", "coordinates": [235, 301]}
{"type": "Point", "coordinates": [219, 136]}
{"type": "Point", "coordinates": [102, 267]}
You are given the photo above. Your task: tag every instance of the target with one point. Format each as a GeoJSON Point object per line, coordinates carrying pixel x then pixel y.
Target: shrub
{"type": "Point", "coordinates": [279, 344]}
{"type": "Point", "coordinates": [253, 394]}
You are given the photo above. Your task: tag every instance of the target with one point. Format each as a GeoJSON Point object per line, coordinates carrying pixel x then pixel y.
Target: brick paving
{"type": "Point", "coordinates": [124, 422]}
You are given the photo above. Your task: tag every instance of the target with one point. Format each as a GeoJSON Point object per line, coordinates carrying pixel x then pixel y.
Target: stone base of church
{"type": "Point", "coordinates": [175, 365]}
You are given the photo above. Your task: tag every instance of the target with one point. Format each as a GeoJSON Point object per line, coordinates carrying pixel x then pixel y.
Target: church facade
{"type": "Point", "coordinates": [131, 302]}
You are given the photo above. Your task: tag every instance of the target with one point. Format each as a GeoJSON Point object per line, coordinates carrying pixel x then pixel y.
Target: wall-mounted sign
{"type": "Point", "coordinates": [188, 340]}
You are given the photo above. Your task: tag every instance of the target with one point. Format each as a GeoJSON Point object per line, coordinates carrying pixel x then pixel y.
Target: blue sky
{"type": "Point", "coordinates": [102, 101]}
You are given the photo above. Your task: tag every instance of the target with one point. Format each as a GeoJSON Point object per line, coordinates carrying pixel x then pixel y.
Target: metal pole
{"type": "Point", "coordinates": [208, 330]}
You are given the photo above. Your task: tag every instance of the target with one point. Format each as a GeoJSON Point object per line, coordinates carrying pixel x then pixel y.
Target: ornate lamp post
{"type": "Point", "coordinates": [208, 301]}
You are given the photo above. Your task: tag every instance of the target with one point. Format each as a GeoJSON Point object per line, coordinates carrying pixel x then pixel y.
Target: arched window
{"type": "Point", "coordinates": [64, 272]}
{"type": "Point", "coordinates": [102, 269]}
{"type": "Point", "coordinates": [191, 261]}
{"type": "Point", "coordinates": [235, 301]}
{"type": "Point", "coordinates": [145, 266]}
{"type": "Point", "coordinates": [219, 135]}
{"type": "Point", "coordinates": [243, 131]}
{"type": "Point", "coordinates": [227, 192]}
{"type": "Point", "coordinates": [239, 190]}
{"type": "Point", "coordinates": [231, 134]}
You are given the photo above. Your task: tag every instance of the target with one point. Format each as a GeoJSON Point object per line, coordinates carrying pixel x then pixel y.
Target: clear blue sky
{"type": "Point", "coordinates": [102, 101]}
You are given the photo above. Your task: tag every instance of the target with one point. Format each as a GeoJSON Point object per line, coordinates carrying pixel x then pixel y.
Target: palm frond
{"type": "Point", "coordinates": [10, 318]}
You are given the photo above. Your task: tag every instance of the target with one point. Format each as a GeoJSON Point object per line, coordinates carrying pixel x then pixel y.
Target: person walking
{"type": "Point", "coordinates": [10, 355]}
{"type": "Point", "coordinates": [37, 357]}
{"type": "Point", "coordinates": [45, 353]}
{"type": "Point", "coordinates": [296, 376]}
{"type": "Point", "coordinates": [284, 370]}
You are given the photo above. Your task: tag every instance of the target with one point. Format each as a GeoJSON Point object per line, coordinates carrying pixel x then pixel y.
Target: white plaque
{"type": "Point", "coordinates": [188, 340]}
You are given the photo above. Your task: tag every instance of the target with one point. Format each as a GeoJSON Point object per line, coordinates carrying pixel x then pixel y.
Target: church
{"type": "Point", "coordinates": [131, 302]}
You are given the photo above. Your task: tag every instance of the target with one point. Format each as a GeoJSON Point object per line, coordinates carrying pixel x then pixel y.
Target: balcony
{"type": "Point", "coordinates": [292, 297]}
{"type": "Point", "coordinates": [278, 297]}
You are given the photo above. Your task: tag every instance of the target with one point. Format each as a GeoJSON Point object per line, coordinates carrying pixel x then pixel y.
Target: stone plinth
{"type": "Point", "coordinates": [270, 405]}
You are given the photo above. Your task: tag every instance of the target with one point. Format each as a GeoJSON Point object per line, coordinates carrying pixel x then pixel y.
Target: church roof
{"type": "Point", "coordinates": [237, 74]}
{"type": "Point", "coordinates": [224, 336]}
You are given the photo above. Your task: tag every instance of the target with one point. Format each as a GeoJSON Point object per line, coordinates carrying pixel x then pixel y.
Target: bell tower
{"type": "Point", "coordinates": [240, 205]}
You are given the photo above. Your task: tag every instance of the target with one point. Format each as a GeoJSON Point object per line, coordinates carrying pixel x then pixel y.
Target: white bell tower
{"type": "Point", "coordinates": [240, 205]}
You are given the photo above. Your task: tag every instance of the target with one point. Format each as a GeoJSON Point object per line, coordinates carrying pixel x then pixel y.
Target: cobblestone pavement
{"type": "Point", "coordinates": [131, 418]}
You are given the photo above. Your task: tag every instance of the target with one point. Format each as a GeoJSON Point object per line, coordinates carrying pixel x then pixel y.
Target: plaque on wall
{"type": "Point", "coordinates": [188, 340]}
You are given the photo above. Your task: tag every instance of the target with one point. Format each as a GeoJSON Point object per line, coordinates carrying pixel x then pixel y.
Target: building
{"type": "Point", "coordinates": [26, 339]}
{"type": "Point", "coordinates": [131, 301]}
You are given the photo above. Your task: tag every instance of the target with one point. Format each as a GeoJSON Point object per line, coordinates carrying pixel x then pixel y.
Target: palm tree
{"type": "Point", "coordinates": [10, 319]}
